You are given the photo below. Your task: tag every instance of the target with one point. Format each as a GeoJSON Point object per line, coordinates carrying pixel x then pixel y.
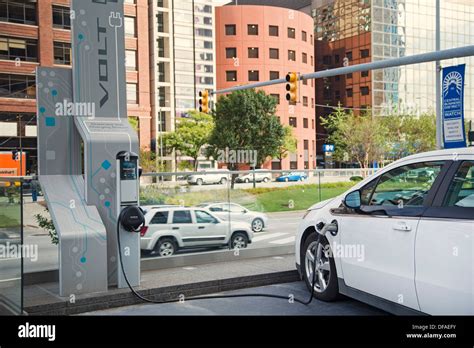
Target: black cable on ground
{"type": "Point", "coordinates": [214, 296]}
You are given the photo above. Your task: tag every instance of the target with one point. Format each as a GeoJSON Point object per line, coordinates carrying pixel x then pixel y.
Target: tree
{"type": "Point", "coordinates": [191, 135]}
{"type": "Point", "coordinates": [360, 139]}
{"type": "Point", "coordinates": [245, 120]}
{"type": "Point", "coordinates": [288, 145]}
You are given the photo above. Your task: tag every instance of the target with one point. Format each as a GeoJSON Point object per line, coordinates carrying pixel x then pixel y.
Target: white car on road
{"type": "Point", "coordinates": [403, 246]}
{"type": "Point", "coordinates": [169, 229]}
{"type": "Point", "coordinates": [221, 176]}
{"type": "Point", "coordinates": [259, 175]}
{"type": "Point", "coordinates": [235, 212]}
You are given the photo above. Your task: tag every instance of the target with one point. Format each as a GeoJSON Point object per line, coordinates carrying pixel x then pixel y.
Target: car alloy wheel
{"type": "Point", "coordinates": [247, 181]}
{"type": "Point", "coordinates": [316, 253]}
{"type": "Point", "coordinates": [239, 241]}
{"type": "Point", "coordinates": [166, 248]}
{"type": "Point", "coordinates": [199, 182]}
{"type": "Point", "coordinates": [223, 181]}
{"type": "Point", "coordinates": [265, 180]}
{"type": "Point", "coordinates": [257, 225]}
{"type": "Point", "coordinates": [286, 179]}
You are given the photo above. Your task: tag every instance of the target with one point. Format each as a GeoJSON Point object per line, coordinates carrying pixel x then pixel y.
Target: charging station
{"type": "Point", "coordinates": [88, 165]}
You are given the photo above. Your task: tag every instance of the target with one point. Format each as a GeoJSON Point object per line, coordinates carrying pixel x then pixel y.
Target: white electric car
{"type": "Point", "coordinates": [401, 240]}
{"type": "Point", "coordinates": [169, 229]}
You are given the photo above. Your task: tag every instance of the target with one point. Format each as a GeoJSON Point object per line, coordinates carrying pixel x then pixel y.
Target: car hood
{"type": "Point", "coordinates": [321, 205]}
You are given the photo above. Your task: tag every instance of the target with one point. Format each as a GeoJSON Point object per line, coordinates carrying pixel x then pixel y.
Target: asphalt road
{"type": "Point", "coordinates": [252, 305]}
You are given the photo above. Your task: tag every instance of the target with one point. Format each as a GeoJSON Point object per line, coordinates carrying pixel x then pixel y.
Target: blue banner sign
{"type": "Point", "coordinates": [453, 107]}
{"type": "Point", "coordinates": [329, 148]}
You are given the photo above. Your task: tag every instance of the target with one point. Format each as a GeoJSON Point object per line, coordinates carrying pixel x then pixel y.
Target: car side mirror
{"type": "Point", "coordinates": [353, 200]}
{"type": "Point", "coordinates": [244, 211]}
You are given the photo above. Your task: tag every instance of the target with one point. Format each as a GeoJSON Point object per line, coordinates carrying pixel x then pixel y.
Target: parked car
{"type": "Point", "coordinates": [293, 176]}
{"type": "Point", "coordinates": [260, 176]}
{"type": "Point", "coordinates": [403, 246]}
{"type": "Point", "coordinates": [235, 212]}
{"type": "Point", "coordinates": [168, 230]}
{"type": "Point", "coordinates": [221, 176]}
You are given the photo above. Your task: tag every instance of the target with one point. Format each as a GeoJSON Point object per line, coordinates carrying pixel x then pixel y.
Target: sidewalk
{"type": "Point", "coordinates": [167, 284]}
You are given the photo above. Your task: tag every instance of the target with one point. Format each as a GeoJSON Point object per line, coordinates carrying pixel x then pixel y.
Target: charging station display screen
{"type": "Point", "coordinates": [129, 171]}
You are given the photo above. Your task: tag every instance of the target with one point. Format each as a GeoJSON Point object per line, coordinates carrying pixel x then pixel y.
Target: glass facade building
{"type": "Point", "coordinates": [400, 28]}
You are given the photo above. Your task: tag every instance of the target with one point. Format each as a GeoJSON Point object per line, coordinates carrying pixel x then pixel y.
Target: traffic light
{"type": "Point", "coordinates": [204, 101]}
{"type": "Point", "coordinates": [292, 87]}
{"type": "Point", "coordinates": [15, 155]}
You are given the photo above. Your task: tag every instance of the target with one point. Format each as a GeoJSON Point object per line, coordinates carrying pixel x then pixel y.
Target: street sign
{"type": "Point", "coordinates": [329, 148]}
{"type": "Point", "coordinates": [453, 107]}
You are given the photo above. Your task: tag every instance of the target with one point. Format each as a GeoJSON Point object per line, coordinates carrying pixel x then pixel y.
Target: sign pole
{"type": "Point", "coordinates": [439, 116]}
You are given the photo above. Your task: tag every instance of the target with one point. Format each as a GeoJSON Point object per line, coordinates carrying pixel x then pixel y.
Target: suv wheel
{"type": "Point", "coordinates": [257, 225]}
{"type": "Point", "coordinates": [238, 241]}
{"type": "Point", "coordinates": [223, 181]}
{"type": "Point", "coordinates": [265, 180]}
{"type": "Point", "coordinates": [316, 249]}
{"type": "Point", "coordinates": [247, 181]}
{"type": "Point", "coordinates": [199, 182]}
{"type": "Point", "coordinates": [166, 247]}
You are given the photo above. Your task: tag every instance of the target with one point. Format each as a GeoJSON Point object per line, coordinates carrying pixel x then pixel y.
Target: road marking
{"type": "Point", "coordinates": [284, 241]}
{"type": "Point", "coordinates": [268, 236]}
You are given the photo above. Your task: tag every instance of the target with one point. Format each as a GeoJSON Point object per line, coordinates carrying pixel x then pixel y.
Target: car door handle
{"type": "Point", "coordinates": [402, 226]}
{"type": "Point", "coordinates": [175, 228]}
{"type": "Point", "coordinates": [201, 227]}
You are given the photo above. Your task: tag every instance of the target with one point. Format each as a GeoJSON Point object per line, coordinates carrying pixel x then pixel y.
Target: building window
{"type": "Point", "coordinates": [305, 101]}
{"type": "Point", "coordinates": [253, 52]}
{"type": "Point", "coordinates": [292, 55]}
{"type": "Point", "coordinates": [254, 75]}
{"type": "Point", "coordinates": [304, 36]}
{"type": "Point", "coordinates": [24, 49]}
{"type": "Point", "coordinates": [312, 103]}
{"type": "Point", "coordinates": [305, 123]}
{"type": "Point", "coordinates": [277, 98]}
{"type": "Point", "coordinates": [61, 17]}
{"type": "Point", "coordinates": [305, 58]}
{"type": "Point", "coordinates": [291, 33]}
{"type": "Point", "coordinates": [337, 58]}
{"type": "Point", "coordinates": [130, 27]}
{"type": "Point", "coordinates": [231, 52]}
{"type": "Point", "coordinates": [364, 90]}
{"type": "Point", "coordinates": [62, 53]}
{"type": "Point", "coordinates": [312, 126]}
{"type": "Point", "coordinates": [337, 95]}
{"type": "Point", "coordinates": [231, 76]}
{"type": "Point", "coordinates": [131, 60]}
{"type": "Point", "coordinates": [132, 93]}
{"type": "Point", "coordinates": [252, 29]}
{"type": "Point", "coordinates": [349, 92]}
{"type": "Point", "coordinates": [364, 73]}
{"type": "Point", "coordinates": [273, 30]}
{"type": "Point", "coordinates": [293, 165]}
{"type": "Point", "coordinates": [230, 30]}
{"type": "Point", "coordinates": [305, 82]}
{"type": "Point", "coordinates": [327, 60]}
{"type": "Point", "coordinates": [312, 61]}
{"type": "Point", "coordinates": [17, 86]}
{"type": "Point", "coordinates": [274, 75]}
{"type": "Point", "coordinates": [293, 122]}
{"type": "Point", "coordinates": [365, 53]}
{"type": "Point", "coordinates": [349, 55]}
{"type": "Point", "coordinates": [349, 76]}
{"type": "Point", "coordinates": [274, 53]}
{"type": "Point", "coordinates": [327, 94]}
{"type": "Point", "coordinates": [22, 12]}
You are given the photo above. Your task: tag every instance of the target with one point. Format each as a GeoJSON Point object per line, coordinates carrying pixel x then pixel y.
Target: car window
{"type": "Point", "coordinates": [461, 190]}
{"type": "Point", "coordinates": [236, 208]}
{"type": "Point", "coordinates": [160, 217]}
{"type": "Point", "coordinates": [204, 218]}
{"type": "Point", "coordinates": [216, 208]}
{"type": "Point", "coordinates": [406, 186]}
{"type": "Point", "coordinates": [182, 217]}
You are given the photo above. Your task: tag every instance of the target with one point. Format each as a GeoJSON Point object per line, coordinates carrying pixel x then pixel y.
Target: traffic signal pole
{"type": "Point", "coordinates": [459, 52]}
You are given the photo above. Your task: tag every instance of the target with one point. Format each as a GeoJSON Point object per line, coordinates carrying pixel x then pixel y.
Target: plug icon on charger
{"type": "Point", "coordinates": [115, 20]}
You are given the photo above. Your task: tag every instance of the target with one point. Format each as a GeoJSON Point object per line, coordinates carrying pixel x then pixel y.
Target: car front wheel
{"type": "Point", "coordinates": [238, 241]}
{"type": "Point", "coordinates": [257, 225]}
{"type": "Point", "coordinates": [199, 182]}
{"type": "Point", "coordinates": [322, 275]}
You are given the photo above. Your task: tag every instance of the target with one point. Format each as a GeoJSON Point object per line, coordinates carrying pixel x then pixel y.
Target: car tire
{"type": "Point", "coordinates": [223, 181]}
{"type": "Point", "coordinates": [199, 182]}
{"type": "Point", "coordinates": [238, 240]}
{"type": "Point", "coordinates": [145, 253]}
{"type": "Point", "coordinates": [265, 180]}
{"type": "Point", "coordinates": [166, 247]}
{"type": "Point", "coordinates": [257, 225]}
{"type": "Point", "coordinates": [325, 285]}
{"type": "Point", "coordinates": [286, 179]}
{"type": "Point", "coordinates": [246, 181]}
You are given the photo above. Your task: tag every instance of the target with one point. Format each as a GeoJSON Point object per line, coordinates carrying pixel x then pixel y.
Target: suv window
{"type": "Point", "coordinates": [406, 186]}
{"type": "Point", "coordinates": [216, 208]}
{"type": "Point", "coordinates": [182, 217]}
{"type": "Point", "coordinates": [160, 217]}
{"type": "Point", "coordinates": [204, 218]}
{"type": "Point", "coordinates": [461, 190]}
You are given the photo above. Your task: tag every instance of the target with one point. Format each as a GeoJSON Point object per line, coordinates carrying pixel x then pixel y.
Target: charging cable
{"type": "Point", "coordinates": [313, 282]}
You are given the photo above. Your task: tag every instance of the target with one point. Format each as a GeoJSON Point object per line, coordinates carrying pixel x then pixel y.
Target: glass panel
{"type": "Point", "coordinates": [10, 248]}
{"type": "Point", "coordinates": [461, 191]}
